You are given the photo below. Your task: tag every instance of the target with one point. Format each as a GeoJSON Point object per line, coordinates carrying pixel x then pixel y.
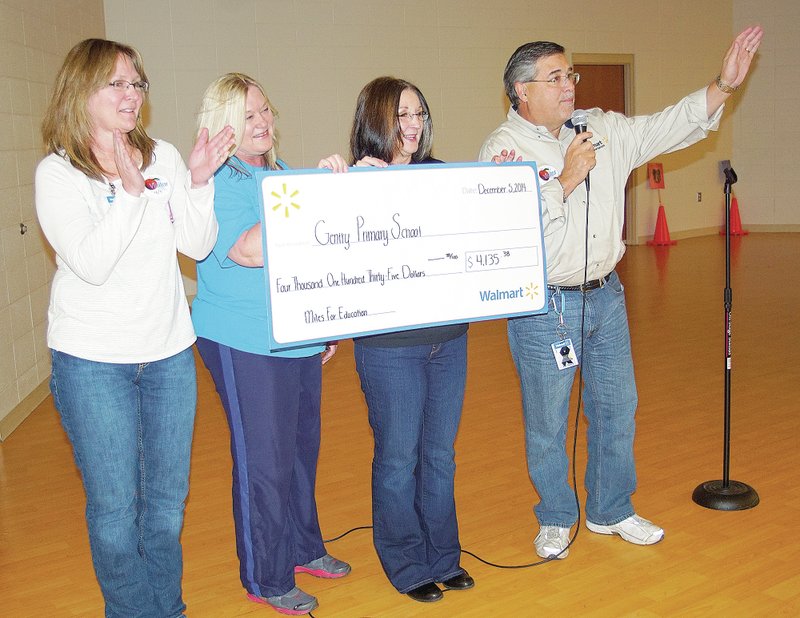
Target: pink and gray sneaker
{"type": "Point", "coordinates": [326, 567]}
{"type": "Point", "coordinates": [293, 603]}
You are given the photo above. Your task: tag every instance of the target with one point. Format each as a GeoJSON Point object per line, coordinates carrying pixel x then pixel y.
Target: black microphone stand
{"type": "Point", "coordinates": [726, 495]}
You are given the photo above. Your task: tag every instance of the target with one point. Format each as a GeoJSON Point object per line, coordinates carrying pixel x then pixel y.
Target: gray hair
{"type": "Point", "coordinates": [521, 66]}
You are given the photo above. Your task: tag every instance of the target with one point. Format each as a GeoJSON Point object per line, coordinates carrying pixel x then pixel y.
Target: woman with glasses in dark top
{"type": "Point", "coordinates": [413, 382]}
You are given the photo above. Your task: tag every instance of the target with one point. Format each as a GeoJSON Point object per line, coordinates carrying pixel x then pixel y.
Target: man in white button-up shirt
{"type": "Point", "coordinates": [582, 223]}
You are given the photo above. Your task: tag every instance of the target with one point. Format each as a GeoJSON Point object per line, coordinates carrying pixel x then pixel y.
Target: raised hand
{"type": "Point", "coordinates": [129, 173]}
{"type": "Point", "coordinates": [736, 62]}
{"type": "Point", "coordinates": [208, 154]}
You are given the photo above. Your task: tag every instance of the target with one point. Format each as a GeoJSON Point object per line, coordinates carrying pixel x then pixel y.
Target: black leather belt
{"type": "Point", "coordinates": [585, 287]}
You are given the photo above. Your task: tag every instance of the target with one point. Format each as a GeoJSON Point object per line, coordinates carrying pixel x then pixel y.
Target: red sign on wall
{"type": "Point", "coordinates": [655, 175]}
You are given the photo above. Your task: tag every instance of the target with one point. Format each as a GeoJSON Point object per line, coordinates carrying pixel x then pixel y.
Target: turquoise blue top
{"type": "Point", "coordinates": [231, 303]}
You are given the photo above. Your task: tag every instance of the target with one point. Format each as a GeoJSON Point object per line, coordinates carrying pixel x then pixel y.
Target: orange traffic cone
{"type": "Point", "coordinates": [661, 237]}
{"type": "Point", "coordinates": [736, 222]}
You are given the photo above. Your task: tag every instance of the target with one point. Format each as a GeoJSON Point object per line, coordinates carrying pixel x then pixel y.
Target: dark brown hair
{"type": "Point", "coordinates": [376, 128]}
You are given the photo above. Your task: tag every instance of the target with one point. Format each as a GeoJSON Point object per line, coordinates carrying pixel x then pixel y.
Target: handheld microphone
{"type": "Point", "coordinates": [579, 122]}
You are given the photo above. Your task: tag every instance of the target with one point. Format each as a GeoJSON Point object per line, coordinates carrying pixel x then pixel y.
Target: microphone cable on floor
{"type": "Point", "coordinates": [574, 433]}
{"type": "Point", "coordinates": [530, 564]}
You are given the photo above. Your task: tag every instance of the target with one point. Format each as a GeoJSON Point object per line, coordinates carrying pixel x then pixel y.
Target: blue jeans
{"type": "Point", "coordinates": [414, 395]}
{"type": "Point", "coordinates": [609, 403]}
{"type": "Point", "coordinates": [131, 427]}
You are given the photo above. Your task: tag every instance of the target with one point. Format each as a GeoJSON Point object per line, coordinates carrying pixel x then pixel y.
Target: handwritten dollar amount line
{"type": "Point", "coordinates": [447, 256]}
{"type": "Point", "coordinates": [487, 259]}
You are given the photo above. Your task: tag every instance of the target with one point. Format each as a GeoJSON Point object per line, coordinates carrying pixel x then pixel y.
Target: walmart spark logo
{"type": "Point", "coordinates": [285, 201]}
{"type": "Point", "coordinates": [531, 291]}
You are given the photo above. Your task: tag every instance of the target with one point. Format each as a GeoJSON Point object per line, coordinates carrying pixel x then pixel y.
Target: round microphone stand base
{"type": "Point", "coordinates": [716, 495]}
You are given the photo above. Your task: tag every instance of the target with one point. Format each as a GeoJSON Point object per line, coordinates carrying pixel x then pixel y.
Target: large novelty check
{"type": "Point", "coordinates": [378, 250]}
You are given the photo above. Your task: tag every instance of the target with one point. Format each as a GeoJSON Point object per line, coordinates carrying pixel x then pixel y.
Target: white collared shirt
{"type": "Point", "coordinates": [621, 144]}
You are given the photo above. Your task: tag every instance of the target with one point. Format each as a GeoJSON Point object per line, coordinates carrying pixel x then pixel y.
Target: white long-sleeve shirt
{"type": "Point", "coordinates": [117, 295]}
{"type": "Point", "coordinates": [621, 144]}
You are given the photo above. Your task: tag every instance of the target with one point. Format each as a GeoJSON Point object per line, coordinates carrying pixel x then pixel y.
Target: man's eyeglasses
{"type": "Point", "coordinates": [559, 81]}
{"type": "Point", "coordinates": [408, 116]}
{"type": "Point", "coordinates": [121, 85]}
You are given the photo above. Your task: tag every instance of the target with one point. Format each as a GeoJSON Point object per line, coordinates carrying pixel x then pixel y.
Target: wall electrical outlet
{"type": "Point", "coordinates": [699, 196]}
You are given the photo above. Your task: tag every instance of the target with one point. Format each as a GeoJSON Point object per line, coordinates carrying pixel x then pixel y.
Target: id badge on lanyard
{"type": "Point", "coordinates": [563, 350]}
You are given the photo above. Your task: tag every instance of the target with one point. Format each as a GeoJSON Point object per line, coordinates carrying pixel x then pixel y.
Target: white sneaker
{"type": "Point", "coordinates": [635, 529]}
{"type": "Point", "coordinates": [551, 542]}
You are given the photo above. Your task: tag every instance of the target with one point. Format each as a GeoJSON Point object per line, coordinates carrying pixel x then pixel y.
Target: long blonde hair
{"type": "Point", "coordinates": [225, 103]}
{"type": "Point", "coordinates": [67, 125]}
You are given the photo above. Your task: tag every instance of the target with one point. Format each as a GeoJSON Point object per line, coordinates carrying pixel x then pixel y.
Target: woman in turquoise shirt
{"type": "Point", "coordinates": [271, 399]}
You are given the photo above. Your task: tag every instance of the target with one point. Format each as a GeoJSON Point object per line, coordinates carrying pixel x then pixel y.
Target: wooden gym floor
{"type": "Point", "coordinates": [711, 563]}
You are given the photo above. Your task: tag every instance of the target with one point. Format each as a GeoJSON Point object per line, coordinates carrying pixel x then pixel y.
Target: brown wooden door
{"type": "Point", "coordinates": [603, 86]}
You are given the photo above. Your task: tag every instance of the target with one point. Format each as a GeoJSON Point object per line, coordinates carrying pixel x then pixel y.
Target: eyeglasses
{"type": "Point", "coordinates": [559, 81]}
{"type": "Point", "coordinates": [408, 116]}
{"type": "Point", "coordinates": [121, 85]}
